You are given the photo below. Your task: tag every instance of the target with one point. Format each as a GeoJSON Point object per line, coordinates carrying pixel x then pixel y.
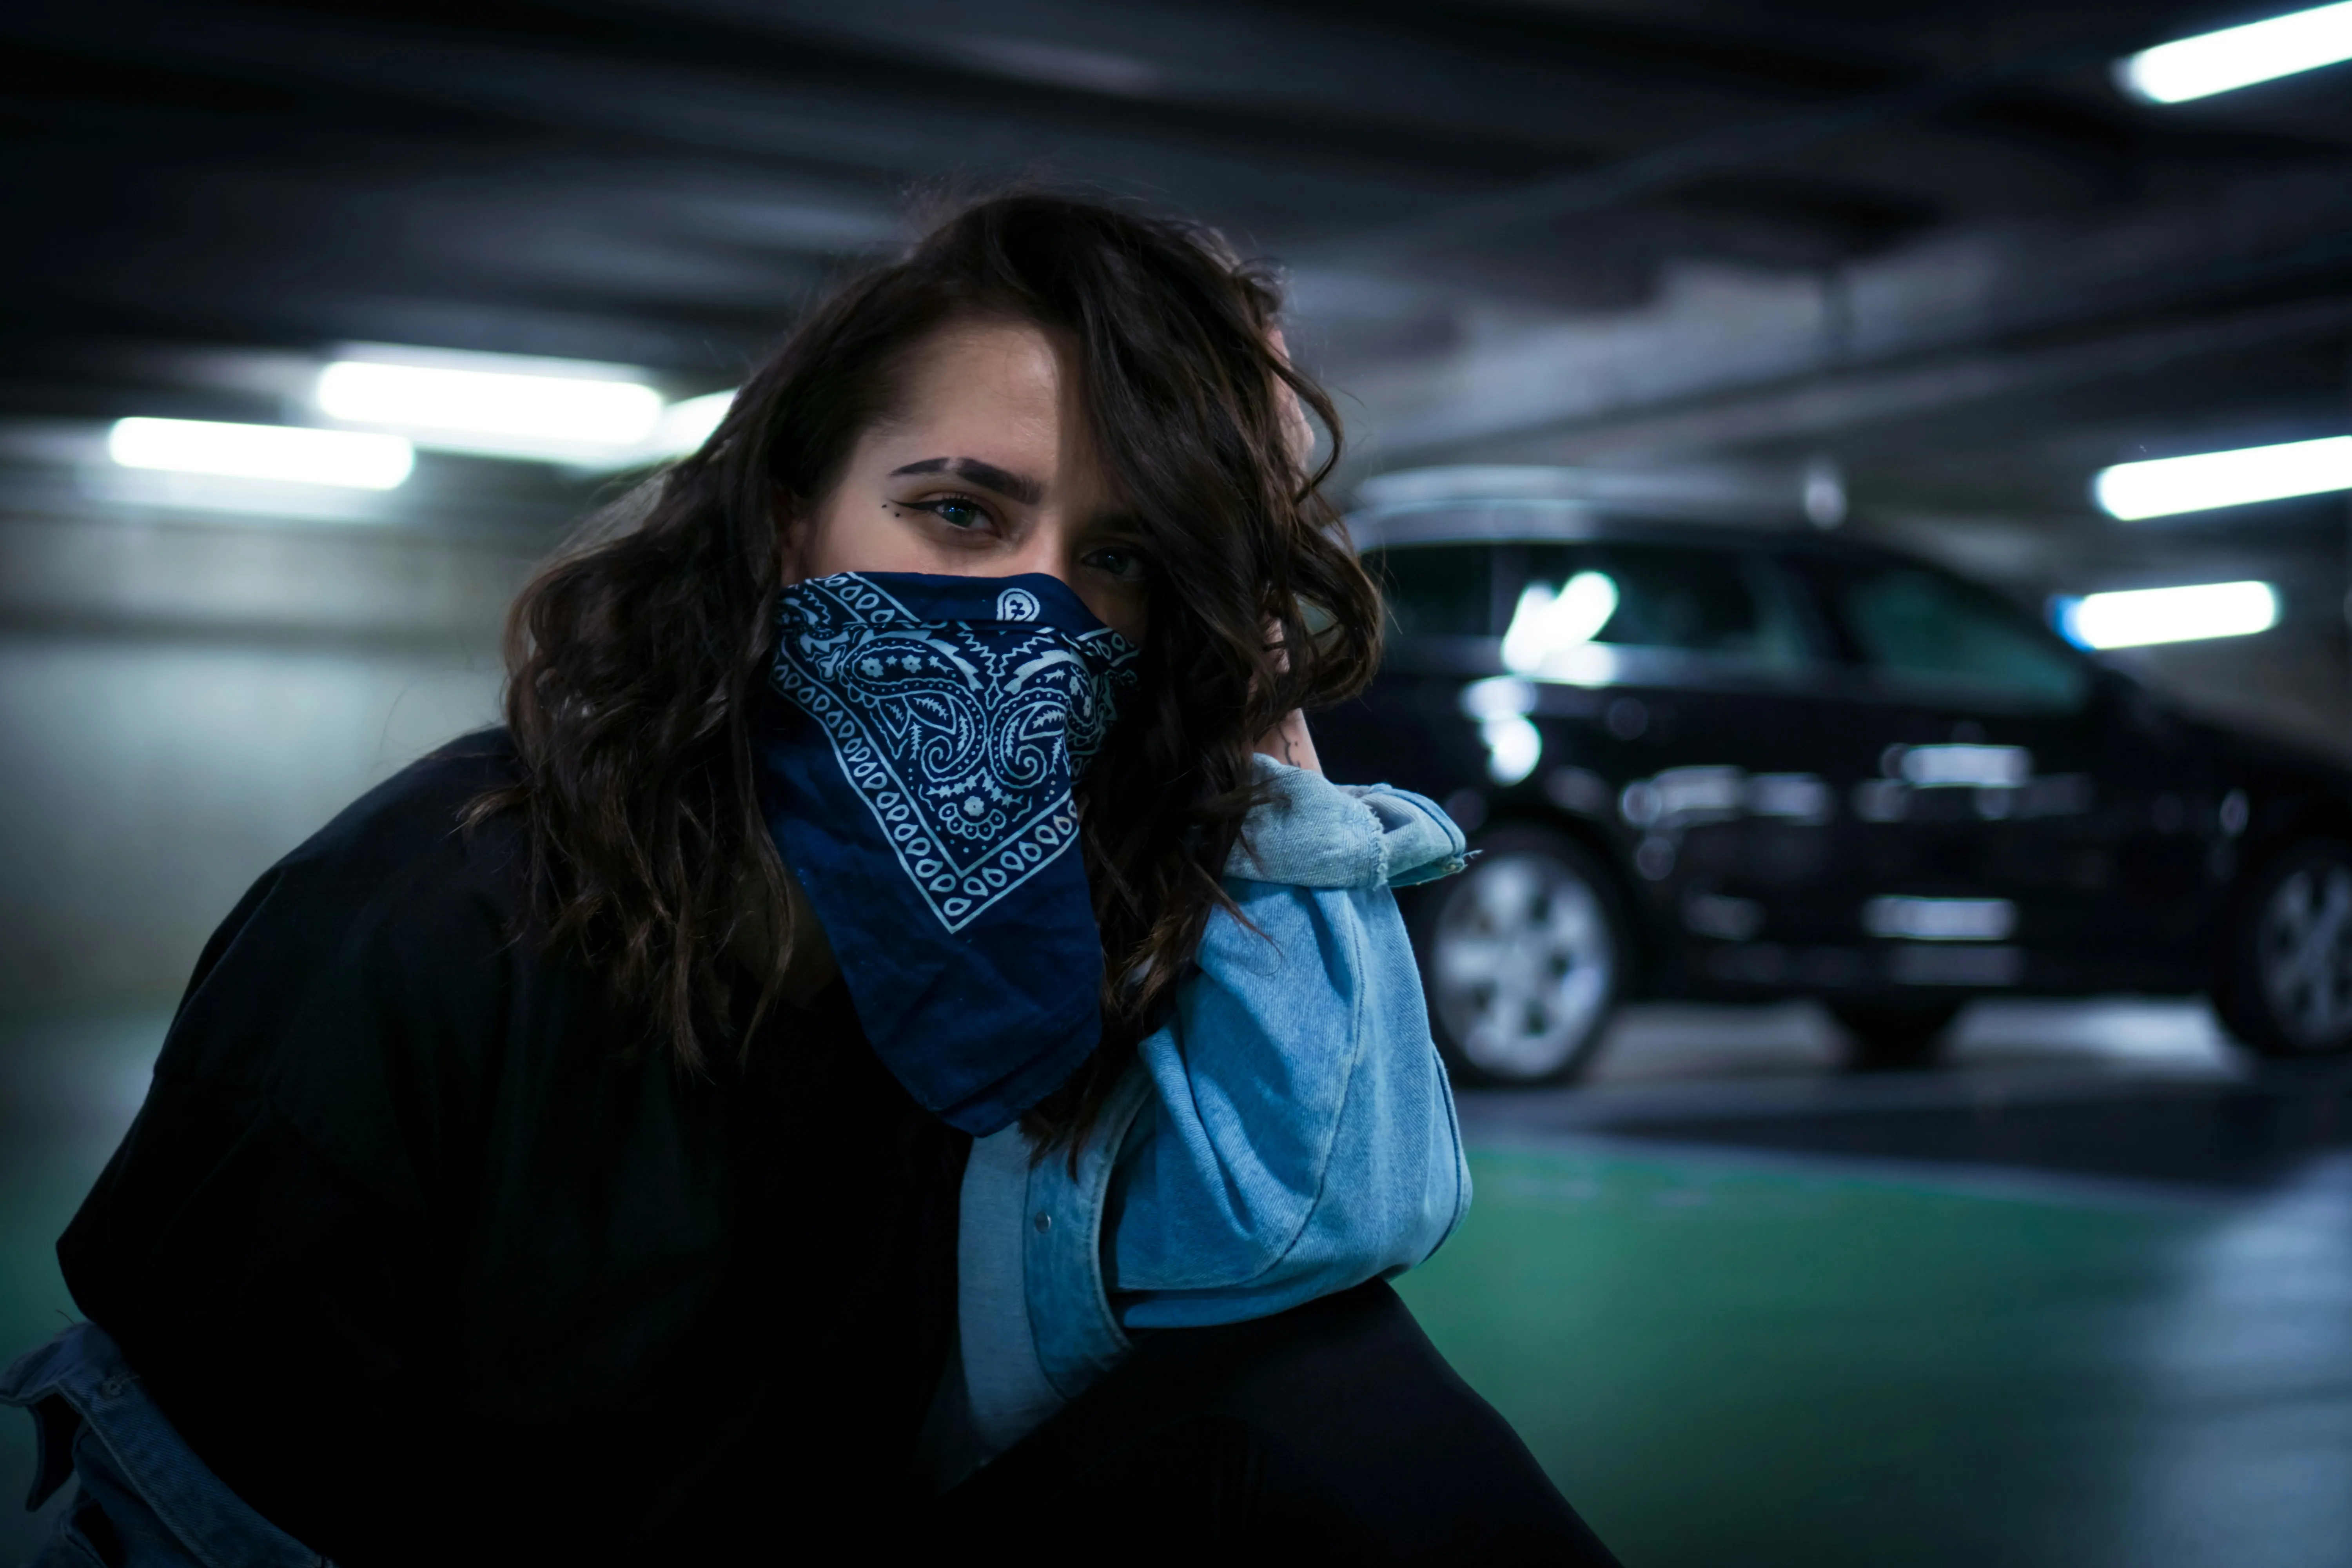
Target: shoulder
{"type": "Point", "coordinates": [394, 908]}
{"type": "Point", "coordinates": [406, 845]}
{"type": "Point", "coordinates": [343, 1022]}
{"type": "Point", "coordinates": [418, 814]}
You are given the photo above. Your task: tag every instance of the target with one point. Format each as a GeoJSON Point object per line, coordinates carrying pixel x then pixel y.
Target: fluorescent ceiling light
{"type": "Point", "coordinates": [496, 406]}
{"type": "Point", "coordinates": [2165, 486]}
{"type": "Point", "coordinates": [681, 431]}
{"type": "Point", "coordinates": [2239, 56]}
{"type": "Point", "coordinates": [686, 425]}
{"type": "Point", "coordinates": [2138, 616]}
{"type": "Point", "coordinates": [345, 458]}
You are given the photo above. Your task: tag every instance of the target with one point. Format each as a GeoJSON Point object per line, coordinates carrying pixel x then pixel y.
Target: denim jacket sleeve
{"type": "Point", "coordinates": [1301, 1138]}
{"type": "Point", "coordinates": [1287, 1133]}
{"type": "Point", "coordinates": [93, 1420]}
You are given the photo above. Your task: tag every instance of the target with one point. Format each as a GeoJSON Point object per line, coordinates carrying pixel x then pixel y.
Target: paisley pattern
{"type": "Point", "coordinates": [961, 736]}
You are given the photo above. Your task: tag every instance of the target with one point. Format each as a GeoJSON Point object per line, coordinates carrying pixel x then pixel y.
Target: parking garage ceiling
{"type": "Point", "coordinates": [1934, 242]}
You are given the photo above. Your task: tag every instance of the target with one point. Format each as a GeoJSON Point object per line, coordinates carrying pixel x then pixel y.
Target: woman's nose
{"type": "Point", "coordinates": [1044, 549]}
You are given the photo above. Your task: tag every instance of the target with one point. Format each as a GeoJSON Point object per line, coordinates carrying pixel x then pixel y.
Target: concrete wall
{"type": "Point", "coordinates": [181, 703]}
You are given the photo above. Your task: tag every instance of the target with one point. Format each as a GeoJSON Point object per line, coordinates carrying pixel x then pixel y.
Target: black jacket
{"type": "Point", "coordinates": [430, 1255]}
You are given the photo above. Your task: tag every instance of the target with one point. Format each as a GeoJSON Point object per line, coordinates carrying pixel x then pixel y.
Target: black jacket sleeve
{"type": "Point", "coordinates": [266, 1244]}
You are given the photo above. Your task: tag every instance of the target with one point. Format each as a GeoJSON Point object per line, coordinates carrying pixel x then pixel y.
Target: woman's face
{"type": "Point", "coordinates": [986, 470]}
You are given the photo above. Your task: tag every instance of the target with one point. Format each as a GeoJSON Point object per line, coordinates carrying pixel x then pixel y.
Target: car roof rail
{"type": "Point", "coordinates": [1496, 502]}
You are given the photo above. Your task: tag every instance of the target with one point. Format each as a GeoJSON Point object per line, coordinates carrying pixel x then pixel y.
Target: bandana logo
{"type": "Point", "coordinates": [961, 736]}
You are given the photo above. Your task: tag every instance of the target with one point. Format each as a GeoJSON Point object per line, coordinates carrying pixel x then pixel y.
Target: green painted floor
{"type": "Point", "coordinates": [1735, 1358]}
{"type": "Point", "coordinates": [1724, 1361]}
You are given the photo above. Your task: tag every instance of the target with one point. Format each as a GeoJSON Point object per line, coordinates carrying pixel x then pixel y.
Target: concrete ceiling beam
{"type": "Point", "coordinates": [1819, 348]}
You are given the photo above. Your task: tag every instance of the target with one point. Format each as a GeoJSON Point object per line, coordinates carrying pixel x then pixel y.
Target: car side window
{"type": "Point", "coordinates": [1436, 590]}
{"type": "Point", "coordinates": [1920, 630]}
{"type": "Point", "coordinates": [1728, 604]}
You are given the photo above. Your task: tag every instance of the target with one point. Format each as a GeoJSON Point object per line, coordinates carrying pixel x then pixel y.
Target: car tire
{"type": "Point", "coordinates": [2288, 988]}
{"type": "Point", "coordinates": [1523, 957]}
{"type": "Point", "coordinates": [1892, 1038]}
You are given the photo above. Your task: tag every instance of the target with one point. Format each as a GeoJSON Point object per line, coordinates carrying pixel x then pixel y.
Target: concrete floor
{"type": "Point", "coordinates": [2083, 1297]}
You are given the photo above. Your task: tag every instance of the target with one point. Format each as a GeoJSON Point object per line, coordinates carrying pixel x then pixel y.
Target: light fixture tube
{"type": "Point", "coordinates": [2138, 616]}
{"type": "Point", "coordinates": [2239, 56]}
{"type": "Point", "coordinates": [487, 405]}
{"type": "Point", "coordinates": [348, 460]}
{"type": "Point", "coordinates": [2164, 487]}
{"type": "Point", "coordinates": [687, 424]}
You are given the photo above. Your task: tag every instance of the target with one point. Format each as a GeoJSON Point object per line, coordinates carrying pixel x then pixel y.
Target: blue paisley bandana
{"type": "Point", "coordinates": [918, 781]}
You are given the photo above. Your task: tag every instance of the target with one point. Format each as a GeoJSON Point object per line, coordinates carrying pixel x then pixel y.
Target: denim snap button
{"type": "Point", "coordinates": [1043, 1222]}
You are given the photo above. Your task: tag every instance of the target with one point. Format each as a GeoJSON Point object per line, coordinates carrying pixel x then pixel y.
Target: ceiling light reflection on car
{"type": "Point", "coordinates": [2166, 486]}
{"type": "Point", "coordinates": [1500, 704]}
{"type": "Point", "coordinates": [287, 454]}
{"type": "Point", "coordinates": [1551, 622]}
{"type": "Point", "coordinates": [2239, 56]}
{"type": "Point", "coordinates": [2138, 616]}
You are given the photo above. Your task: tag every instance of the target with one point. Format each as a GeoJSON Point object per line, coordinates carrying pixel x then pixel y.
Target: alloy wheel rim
{"type": "Point", "coordinates": [1523, 964]}
{"type": "Point", "coordinates": [2305, 955]}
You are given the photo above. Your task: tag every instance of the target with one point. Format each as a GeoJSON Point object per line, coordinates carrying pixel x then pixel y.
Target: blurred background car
{"type": "Point", "coordinates": [1709, 751]}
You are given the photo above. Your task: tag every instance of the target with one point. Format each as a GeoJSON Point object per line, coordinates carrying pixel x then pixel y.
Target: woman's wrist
{"type": "Point", "coordinates": [1288, 743]}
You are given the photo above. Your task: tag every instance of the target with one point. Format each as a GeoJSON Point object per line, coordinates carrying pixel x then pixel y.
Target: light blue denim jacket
{"type": "Point", "coordinates": [1289, 1133]}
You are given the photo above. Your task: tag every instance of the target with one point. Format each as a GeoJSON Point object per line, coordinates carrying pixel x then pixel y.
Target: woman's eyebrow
{"type": "Point", "coordinates": [1027, 492]}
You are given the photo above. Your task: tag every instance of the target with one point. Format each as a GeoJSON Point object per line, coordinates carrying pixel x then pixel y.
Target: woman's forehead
{"type": "Point", "coordinates": [993, 403]}
{"type": "Point", "coordinates": [969, 361]}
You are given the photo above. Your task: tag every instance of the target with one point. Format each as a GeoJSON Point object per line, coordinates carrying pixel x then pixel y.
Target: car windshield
{"type": "Point", "coordinates": [1727, 609]}
{"type": "Point", "coordinates": [1693, 600]}
{"type": "Point", "coordinates": [1919, 630]}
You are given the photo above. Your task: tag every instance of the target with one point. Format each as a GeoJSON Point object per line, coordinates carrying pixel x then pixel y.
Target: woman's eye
{"type": "Point", "coordinates": [957, 511]}
{"type": "Point", "coordinates": [1127, 565]}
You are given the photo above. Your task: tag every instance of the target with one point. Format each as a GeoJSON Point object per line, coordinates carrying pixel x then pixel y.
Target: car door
{"type": "Point", "coordinates": [1656, 688]}
{"type": "Point", "coordinates": [2008, 820]}
{"type": "Point", "coordinates": [1684, 664]}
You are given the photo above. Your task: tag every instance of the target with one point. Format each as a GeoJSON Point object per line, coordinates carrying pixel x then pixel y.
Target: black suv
{"type": "Point", "coordinates": [1740, 761]}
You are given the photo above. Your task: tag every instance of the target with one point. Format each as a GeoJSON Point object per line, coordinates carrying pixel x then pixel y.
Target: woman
{"type": "Point", "coordinates": [539, 1168]}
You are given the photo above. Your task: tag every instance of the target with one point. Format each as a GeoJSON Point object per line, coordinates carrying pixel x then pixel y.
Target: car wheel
{"type": "Point", "coordinates": [1523, 956]}
{"type": "Point", "coordinates": [2289, 992]}
{"type": "Point", "coordinates": [1888, 1038]}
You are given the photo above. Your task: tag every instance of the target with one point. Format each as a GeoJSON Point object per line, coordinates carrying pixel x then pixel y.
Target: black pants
{"type": "Point", "coordinates": [1333, 1432]}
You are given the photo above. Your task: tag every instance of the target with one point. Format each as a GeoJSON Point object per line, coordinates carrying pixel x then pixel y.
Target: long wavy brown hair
{"type": "Point", "coordinates": [634, 657]}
